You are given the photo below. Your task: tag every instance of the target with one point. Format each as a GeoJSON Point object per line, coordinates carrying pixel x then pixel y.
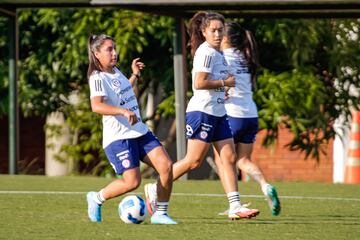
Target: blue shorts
{"type": "Point", "coordinates": [244, 130]}
{"type": "Point", "coordinates": [206, 127]}
{"type": "Point", "coordinates": [126, 154]}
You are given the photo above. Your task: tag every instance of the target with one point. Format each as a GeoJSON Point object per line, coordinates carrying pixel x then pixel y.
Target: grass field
{"type": "Point", "coordinates": [38, 207]}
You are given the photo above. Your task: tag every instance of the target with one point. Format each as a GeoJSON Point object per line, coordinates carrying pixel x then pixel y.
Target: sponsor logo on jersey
{"type": "Point", "coordinates": [220, 101]}
{"type": "Point", "coordinates": [205, 128]}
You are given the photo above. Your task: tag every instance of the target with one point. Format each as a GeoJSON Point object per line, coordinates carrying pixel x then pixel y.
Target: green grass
{"type": "Point", "coordinates": [64, 216]}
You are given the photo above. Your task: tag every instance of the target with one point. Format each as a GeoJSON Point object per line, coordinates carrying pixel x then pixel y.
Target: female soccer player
{"type": "Point", "coordinates": [240, 51]}
{"type": "Point", "coordinates": [126, 139]}
{"type": "Point", "coordinates": [206, 121]}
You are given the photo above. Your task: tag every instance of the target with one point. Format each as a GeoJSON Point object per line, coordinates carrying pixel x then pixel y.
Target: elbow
{"type": "Point", "coordinates": [198, 86]}
{"type": "Point", "coordinates": [95, 108]}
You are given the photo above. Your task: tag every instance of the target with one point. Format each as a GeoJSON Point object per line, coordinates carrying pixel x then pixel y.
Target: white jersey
{"type": "Point", "coordinates": [210, 101]}
{"type": "Point", "coordinates": [240, 102]}
{"type": "Point", "coordinates": [117, 91]}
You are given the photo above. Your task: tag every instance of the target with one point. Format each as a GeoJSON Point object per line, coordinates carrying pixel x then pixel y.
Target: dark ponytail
{"type": "Point", "coordinates": [244, 41]}
{"type": "Point", "coordinates": [94, 44]}
{"type": "Point", "coordinates": [197, 24]}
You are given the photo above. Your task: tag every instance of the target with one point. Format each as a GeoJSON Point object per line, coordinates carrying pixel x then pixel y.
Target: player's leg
{"type": "Point", "coordinates": [125, 163]}
{"type": "Point", "coordinates": [245, 164]}
{"type": "Point", "coordinates": [130, 181]}
{"type": "Point", "coordinates": [152, 151]}
{"type": "Point", "coordinates": [196, 151]}
{"type": "Point", "coordinates": [225, 149]}
{"type": "Point", "coordinates": [224, 146]}
{"type": "Point", "coordinates": [243, 151]}
{"type": "Point", "coordinates": [199, 138]}
{"type": "Point", "coordinates": [245, 131]}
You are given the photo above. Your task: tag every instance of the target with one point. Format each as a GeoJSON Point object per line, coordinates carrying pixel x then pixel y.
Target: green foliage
{"type": "Point", "coordinates": [86, 146]}
{"type": "Point", "coordinates": [306, 76]}
{"type": "Point", "coordinates": [54, 49]}
{"type": "Point", "coordinates": [4, 79]}
{"type": "Point", "coordinates": [309, 70]}
{"type": "Point", "coordinates": [54, 65]}
{"type": "Point", "coordinates": [294, 100]}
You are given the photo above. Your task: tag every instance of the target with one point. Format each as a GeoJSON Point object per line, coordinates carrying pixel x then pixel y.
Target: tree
{"type": "Point", "coordinates": [53, 64]}
{"type": "Point", "coordinates": [305, 79]}
{"type": "Point", "coordinates": [308, 66]}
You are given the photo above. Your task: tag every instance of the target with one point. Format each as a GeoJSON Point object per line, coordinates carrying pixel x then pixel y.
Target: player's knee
{"type": "Point", "coordinates": [166, 168]}
{"type": "Point", "coordinates": [134, 184]}
{"type": "Point", "coordinates": [242, 162]}
{"type": "Point", "coordinates": [195, 163]}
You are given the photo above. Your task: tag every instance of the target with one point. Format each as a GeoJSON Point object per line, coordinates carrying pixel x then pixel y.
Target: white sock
{"type": "Point", "coordinates": [162, 207]}
{"type": "Point", "coordinates": [264, 188]}
{"type": "Point", "coordinates": [99, 199]}
{"type": "Point", "coordinates": [234, 199]}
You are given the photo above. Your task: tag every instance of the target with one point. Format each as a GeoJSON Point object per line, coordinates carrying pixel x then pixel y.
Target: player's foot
{"type": "Point", "coordinates": [94, 209]}
{"type": "Point", "coordinates": [273, 200]}
{"type": "Point", "coordinates": [242, 212]}
{"type": "Point", "coordinates": [226, 212]}
{"type": "Point", "coordinates": [150, 197]}
{"type": "Point", "coordinates": [161, 219]}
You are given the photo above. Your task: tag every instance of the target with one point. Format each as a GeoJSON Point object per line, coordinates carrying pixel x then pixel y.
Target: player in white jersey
{"type": "Point", "coordinates": [240, 52]}
{"type": "Point", "coordinates": [206, 121]}
{"type": "Point", "coordinates": [126, 139]}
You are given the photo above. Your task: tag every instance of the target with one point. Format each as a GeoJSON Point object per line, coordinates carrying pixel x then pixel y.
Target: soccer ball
{"type": "Point", "coordinates": [132, 209]}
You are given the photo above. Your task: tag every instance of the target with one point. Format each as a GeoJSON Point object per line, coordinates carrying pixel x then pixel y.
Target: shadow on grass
{"type": "Point", "coordinates": [301, 220]}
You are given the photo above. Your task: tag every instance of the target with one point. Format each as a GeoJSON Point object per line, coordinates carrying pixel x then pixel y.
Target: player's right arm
{"type": "Point", "coordinates": [98, 106]}
{"type": "Point", "coordinates": [97, 95]}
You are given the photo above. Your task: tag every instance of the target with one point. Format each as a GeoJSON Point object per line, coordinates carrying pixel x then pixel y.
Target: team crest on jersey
{"type": "Point", "coordinates": [116, 85]}
{"type": "Point", "coordinates": [203, 134]}
{"type": "Point", "coordinates": [125, 163]}
{"type": "Point", "coordinates": [124, 158]}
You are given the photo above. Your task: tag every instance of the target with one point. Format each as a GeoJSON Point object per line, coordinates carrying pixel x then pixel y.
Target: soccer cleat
{"type": "Point", "coordinates": [161, 219]}
{"type": "Point", "coordinates": [226, 212]}
{"type": "Point", "coordinates": [242, 212]}
{"type": "Point", "coordinates": [94, 209]}
{"type": "Point", "coordinates": [273, 200]}
{"type": "Point", "coordinates": [150, 197]}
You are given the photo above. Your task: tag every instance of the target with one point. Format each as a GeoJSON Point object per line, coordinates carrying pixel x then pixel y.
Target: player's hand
{"type": "Point", "coordinates": [137, 66]}
{"type": "Point", "coordinates": [131, 117]}
{"type": "Point", "coordinates": [230, 81]}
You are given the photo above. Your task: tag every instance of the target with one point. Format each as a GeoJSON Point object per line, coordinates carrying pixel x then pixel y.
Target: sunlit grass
{"type": "Point", "coordinates": [39, 215]}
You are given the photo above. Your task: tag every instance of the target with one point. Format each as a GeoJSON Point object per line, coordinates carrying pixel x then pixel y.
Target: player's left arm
{"type": "Point", "coordinates": [136, 66]}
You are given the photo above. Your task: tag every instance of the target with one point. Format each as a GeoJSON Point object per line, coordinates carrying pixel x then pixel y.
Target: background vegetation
{"type": "Point", "coordinates": [308, 69]}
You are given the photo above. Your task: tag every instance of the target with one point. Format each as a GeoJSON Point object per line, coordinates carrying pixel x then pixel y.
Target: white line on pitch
{"type": "Point", "coordinates": [186, 194]}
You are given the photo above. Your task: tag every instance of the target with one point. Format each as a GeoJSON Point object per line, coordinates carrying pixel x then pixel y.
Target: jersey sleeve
{"type": "Point", "coordinates": [96, 86]}
{"type": "Point", "coordinates": [204, 61]}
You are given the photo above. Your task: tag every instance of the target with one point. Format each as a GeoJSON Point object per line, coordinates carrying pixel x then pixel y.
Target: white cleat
{"type": "Point", "coordinates": [242, 212]}
{"type": "Point", "coordinates": [150, 197]}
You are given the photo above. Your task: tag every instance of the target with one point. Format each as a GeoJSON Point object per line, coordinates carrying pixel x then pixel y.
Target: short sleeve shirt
{"type": "Point", "coordinates": [240, 102]}
{"type": "Point", "coordinates": [210, 101]}
{"type": "Point", "coordinates": [117, 91]}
